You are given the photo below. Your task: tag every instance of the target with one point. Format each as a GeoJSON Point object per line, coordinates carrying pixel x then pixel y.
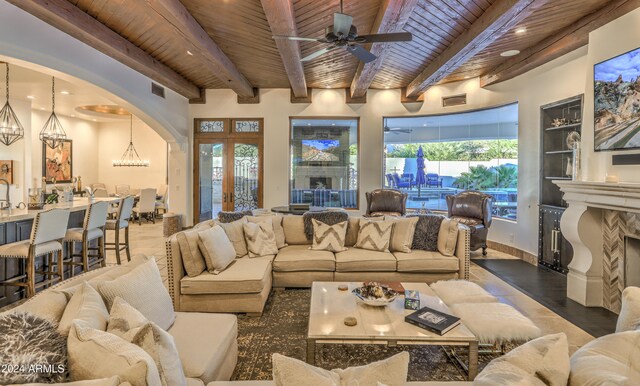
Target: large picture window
{"type": "Point", "coordinates": [476, 150]}
{"type": "Point", "coordinates": [324, 162]}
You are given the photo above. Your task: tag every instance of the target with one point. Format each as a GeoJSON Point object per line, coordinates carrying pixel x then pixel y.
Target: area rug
{"type": "Point", "coordinates": [282, 329]}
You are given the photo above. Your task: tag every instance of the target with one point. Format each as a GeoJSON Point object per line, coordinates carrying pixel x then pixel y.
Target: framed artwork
{"type": "Point", "coordinates": [616, 93]}
{"type": "Point", "coordinates": [58, 163]}
{"type": "Point", "coordinates": [6, 171]}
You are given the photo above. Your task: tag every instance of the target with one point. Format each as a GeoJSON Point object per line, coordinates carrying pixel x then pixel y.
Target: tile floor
{"type": "Point", "coordinates": [148, 239]}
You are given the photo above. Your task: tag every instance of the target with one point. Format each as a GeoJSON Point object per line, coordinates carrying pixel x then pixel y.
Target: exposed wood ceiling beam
{"type": "Point", "coordinates": [493, 23]}
{"type": "Point", "coordinates": [392, 17]}
{"type": "Point", "coordinates": [177, 15]}
{"type": "Point", "coordinates": [283, 22]}
{"type": "Point", "coordinates": [558, 44]}
{"type": "Point", "coordinates": [70, 19]}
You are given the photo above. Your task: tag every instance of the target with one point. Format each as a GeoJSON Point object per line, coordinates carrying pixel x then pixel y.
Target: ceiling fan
{"type": "Point", "coordinates": [395, 130]}
{"type": "Point", "coordinates": [343, 34]}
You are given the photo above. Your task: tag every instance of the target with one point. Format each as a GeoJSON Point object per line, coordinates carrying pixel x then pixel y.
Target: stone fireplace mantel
{"type": "Point", "coordinates": [582, 226]}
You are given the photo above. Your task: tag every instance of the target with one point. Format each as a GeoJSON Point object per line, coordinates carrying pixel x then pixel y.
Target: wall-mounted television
{"type": "Point", "coordinates": [320, 150]}
{"type": "Point", "coordinates": [617, 102]}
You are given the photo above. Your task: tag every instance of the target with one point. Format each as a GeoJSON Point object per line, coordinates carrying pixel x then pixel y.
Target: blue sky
{"type": "Point", "coordinates": [322, 144]}
{"type": "Point", "coordinates": [627, 65]}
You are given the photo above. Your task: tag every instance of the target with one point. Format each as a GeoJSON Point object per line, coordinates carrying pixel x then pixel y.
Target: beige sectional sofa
{"type": "Point", "coordinates": [245, 285]}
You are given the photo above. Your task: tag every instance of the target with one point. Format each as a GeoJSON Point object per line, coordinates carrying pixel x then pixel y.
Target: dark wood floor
{"type": "Point", "coordinates": [549, 288]}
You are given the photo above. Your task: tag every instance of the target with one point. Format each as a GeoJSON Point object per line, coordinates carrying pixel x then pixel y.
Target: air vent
{"type": "Point", "coordinates": [454, 100]}
{"type": "Point", "coordinates": [158, 90]}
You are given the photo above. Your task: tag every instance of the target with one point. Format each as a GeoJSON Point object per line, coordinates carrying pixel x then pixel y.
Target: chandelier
{"type": "Point", "coordinates": [52, 133]}
{"type": "Point", "coordinates": [130, 156]}
{"type": "Point", "coordinates": [11, 129]}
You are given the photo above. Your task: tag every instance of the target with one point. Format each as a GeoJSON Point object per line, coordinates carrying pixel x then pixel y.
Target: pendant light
{"type": "Point", "coordinates": [52, 133]}
{"type": "Point", "coordinates": [130, 156]}
{"type": "Point", "coordinates": [11, 129]}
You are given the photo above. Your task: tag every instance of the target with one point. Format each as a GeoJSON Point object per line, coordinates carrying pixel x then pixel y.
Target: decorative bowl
{"type": "Point", "coordinates": [376, 295]}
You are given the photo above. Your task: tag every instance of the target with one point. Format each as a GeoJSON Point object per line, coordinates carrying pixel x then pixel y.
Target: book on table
{"type": "Point", "coordinates": [433, 320]}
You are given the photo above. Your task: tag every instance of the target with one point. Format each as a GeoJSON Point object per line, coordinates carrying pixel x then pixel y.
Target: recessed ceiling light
{"type": "Point", "coordinates": [64, 92]}
{"type": "Point", "coordinates": [189, 53]}
{"type": "Point", "coordinates": [521, 30]}
{"type": "Point", "coordinates": [510, 53]}
{"type": "Point", "coordinates": [30, 97]}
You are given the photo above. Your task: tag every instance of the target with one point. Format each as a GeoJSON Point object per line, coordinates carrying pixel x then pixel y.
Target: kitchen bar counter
{"type": "Point", "coordinates": [78, 204]}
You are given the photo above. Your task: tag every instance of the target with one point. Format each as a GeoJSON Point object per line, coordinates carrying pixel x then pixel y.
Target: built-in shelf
{"type": "Point", "coordinates": [557, 178]}
{"type": "Point", "coordinates": [558, 152]}
{"type": "Point", "coordinates": [571, 126]}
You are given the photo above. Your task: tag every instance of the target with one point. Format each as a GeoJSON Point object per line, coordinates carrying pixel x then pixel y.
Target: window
{"type": "Point", "coordinates": [324, 162]}
{"type": "Point", "coordinates": [476, 150]}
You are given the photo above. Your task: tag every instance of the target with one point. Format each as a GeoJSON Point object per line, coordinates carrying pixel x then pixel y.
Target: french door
{"type": "Point", "coordinates": [227, 166]}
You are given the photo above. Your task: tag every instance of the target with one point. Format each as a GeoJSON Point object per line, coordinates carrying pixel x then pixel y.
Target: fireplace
{"type": "Point", "coordinates": [631, 261]}
{"type": "Point", "coordinates": [320, 182]}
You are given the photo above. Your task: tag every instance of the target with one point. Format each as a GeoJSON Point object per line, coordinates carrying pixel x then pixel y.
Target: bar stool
{"type": "Point", "coordinates": [46, 237]}
{"type": "Point", "coordinates": [92, 229]}
{"type": "Point", "coordinates": [125, 208]}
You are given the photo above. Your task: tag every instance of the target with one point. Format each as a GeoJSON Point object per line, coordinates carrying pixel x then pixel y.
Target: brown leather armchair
{"type": "Point", "coordinates": [386, 202]}
{"type": "Point", "coordinates": [472, 209]}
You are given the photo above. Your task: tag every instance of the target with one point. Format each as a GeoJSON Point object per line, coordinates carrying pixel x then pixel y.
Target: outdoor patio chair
{"type": "Point", "coordinates": [399, 184]}
{"type": "Point", "coordinates": [390, 181]}
{"type": "Point", "coordinates": [433, 180]}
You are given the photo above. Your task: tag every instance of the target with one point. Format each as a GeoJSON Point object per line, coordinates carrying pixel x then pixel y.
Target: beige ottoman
{"type": "Point", "coordinates": [461, 291]}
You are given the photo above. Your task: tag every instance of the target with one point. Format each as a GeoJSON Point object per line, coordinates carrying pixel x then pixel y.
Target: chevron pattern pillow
{"type": "Point", "coordinates": [374, 235]}
{"type": "Point", "coordinates": [261, 240]}
{"type": "Point", "coordinates": [329, 237]}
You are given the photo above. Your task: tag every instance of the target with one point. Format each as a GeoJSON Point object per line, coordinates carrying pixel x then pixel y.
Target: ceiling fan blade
{"type": "Point", "coordinates": [296, 38]}
{"type": "Point", "coordinates": [341, 24]}
{"type": "Point", "coordinates": [316, 54]}
{"type": "Point", "coordinates": [361, 54]}
{"type": "Point", "coordinates": [385, 38]}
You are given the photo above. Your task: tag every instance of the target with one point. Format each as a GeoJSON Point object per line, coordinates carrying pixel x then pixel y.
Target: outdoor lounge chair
{"type": "Point", "coordinates": [433, 180]}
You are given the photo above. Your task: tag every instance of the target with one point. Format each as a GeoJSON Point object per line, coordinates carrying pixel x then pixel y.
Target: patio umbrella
{"type": "Point", "coordinates": [420, 176]}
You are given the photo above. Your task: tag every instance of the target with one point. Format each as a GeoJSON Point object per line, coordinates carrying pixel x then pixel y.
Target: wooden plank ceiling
{"type": "Point", "coordinates": [242, 47]}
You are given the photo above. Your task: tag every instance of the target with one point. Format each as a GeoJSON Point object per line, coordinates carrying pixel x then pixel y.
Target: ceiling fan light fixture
{"type": "Point", "coordinates": [11, 129]}
{"type": "Point", "coordinates": [52, 132]}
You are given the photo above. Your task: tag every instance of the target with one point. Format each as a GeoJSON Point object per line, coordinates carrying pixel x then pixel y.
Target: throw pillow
{"type": "Point", "coordinates": [144, 290]}
{"type": "Point", "coordinates": [427, 229]}
{"type": "Point", "coordinates": [98, 354]}
{"type": "Point", "coordinates": [49, 305]}
{"type": "Point", "coordinates": [86, 305]}
{"type": "Point", "coordinates": [129, 324]}
{"type": "Point", "coordinates": [276, 222]}
{"type": "Point", "coordinates": [402, 234]}
{"type": "Point", "coordinates": [217, 249]}
{"type": "Point", "coordinates": [261, 241]}
{"type": "Point", "coordinates": [447, 237]}
{"type": "Point", "coordinates": [192, 258]}
{"type": "Point", "coordinates": [233, 216]}
{"type": "Point", "coordinates": [374, 235]}
{"type": "Point", "coordinates": [235, 233]}
{"type": "Point", "coordinates": [27, 340]}
{"type": "Point", "coordinates": [541, 362]}
{"type": "Point", "coordinates": [629, 318]}
{"type": "Point", "coordinates": [329, 237]}
{"type": "Point", "coordinates": [391, 371]}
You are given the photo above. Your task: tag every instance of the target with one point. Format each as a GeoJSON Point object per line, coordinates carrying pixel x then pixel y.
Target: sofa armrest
{"type": "Point", "coordinates": [463, 251]}
{"type": "Point", "coordinates": [175, 270]}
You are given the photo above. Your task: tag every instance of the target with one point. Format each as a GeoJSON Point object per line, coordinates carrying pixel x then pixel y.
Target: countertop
{"type": "Point", "coordinates": [78, 204]}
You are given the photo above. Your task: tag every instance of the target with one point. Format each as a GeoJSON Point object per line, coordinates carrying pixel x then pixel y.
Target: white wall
{"type": "Point", "coordinates": [613, 39]}
{"type": "Point", "coordinates": [114, 139]}
{"type": "Point", "coordinates": [559, 79]}
{"type": "Point", "coordinates": [84, 135]}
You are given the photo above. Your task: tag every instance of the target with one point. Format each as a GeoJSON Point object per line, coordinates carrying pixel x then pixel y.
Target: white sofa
{"type": "Point", "coordinates": [206, 342]}
{"type": "Point", "coordinates": [245, 285]}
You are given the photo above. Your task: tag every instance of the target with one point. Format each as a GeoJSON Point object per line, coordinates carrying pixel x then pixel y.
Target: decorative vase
{"type": "Point", "coordinates": [575, 174]}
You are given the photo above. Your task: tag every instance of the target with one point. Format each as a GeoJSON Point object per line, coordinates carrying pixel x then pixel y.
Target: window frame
{"type": "Point", "coordinates": [321, 117]}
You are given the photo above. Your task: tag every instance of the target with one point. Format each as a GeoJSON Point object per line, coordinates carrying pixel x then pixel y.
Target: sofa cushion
{"type": "Point", "coordinates": [448, 237]}
{"type": "Point", "coordinates": [261, 240]}
{"type": "Point", "coordinates": [192, 258]}
{"type": "Point", "coordinates": [301, 258]}
{"type": "Point", "coordinates": [402, 233]}
{"type": "Point", "coordinates": [245, 275]}
{"type": "Point", "coordinates": [294, 230]}
{"type": "Point", "coordinates": [217, 250]}
{"type": "Point", "coordinates": [374, 235]}
{"type": "Point", "coordinates": [203, 341]}
{"type": "Point", "coordinates": [353, 228]}
{"type": "Point", "coordinates": [426, 235]}
{"type": "Point", "coordinates": [426, 261]}
{"type": "Point", "coordinates": [276, 222]}
{"type": "Point", "coordinates": [629, 318]}
{"type": "Point", "coordinates": [609, 360]}
{"type": "Point", "coordinates": [364, 260]}
{"type": "Point", "coordinates": [328, 237]}
{"type": "Point", "coordinates": [49, 305]}
{"type": "Point", "coordinates": [195, 382]}
{"type": "Point", "coordinates": [86, 305]}
{"type": "Point", "coordinates": [235, 233]}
